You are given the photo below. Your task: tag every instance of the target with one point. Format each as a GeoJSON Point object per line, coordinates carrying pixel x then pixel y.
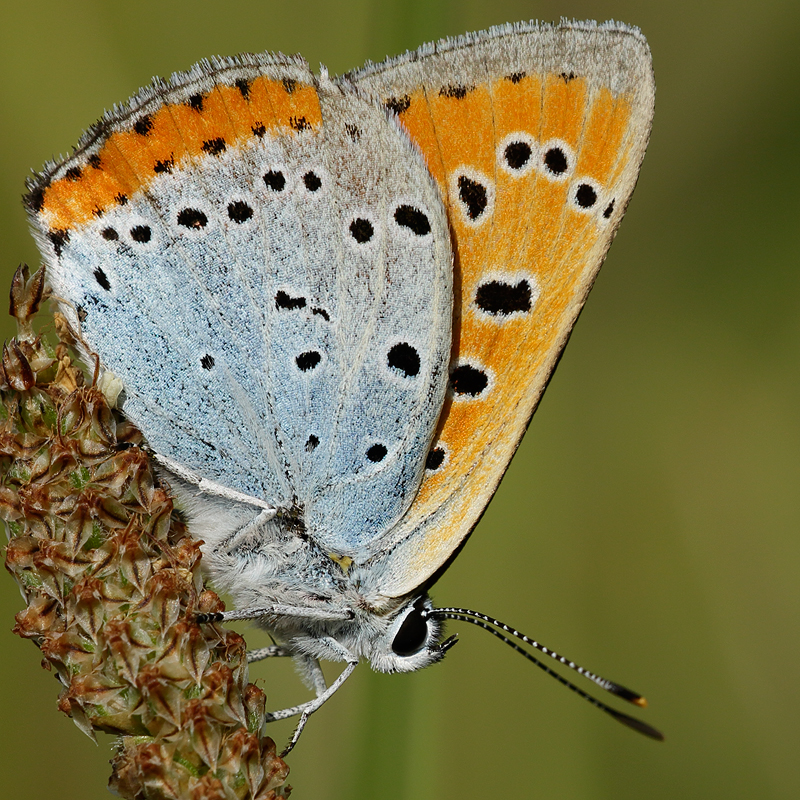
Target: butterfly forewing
{"type": "Point", "coordinates": [264, 260]}
{"type": "Point", "coordinates": [535, 135]}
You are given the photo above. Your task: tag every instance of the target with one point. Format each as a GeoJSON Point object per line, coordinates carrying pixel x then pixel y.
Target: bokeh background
{"type": "Point", "coordinates": [649, 525]}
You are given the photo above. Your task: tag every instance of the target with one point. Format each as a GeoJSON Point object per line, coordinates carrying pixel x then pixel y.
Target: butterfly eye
{"type": "Point", "coordinates": [412, 635]}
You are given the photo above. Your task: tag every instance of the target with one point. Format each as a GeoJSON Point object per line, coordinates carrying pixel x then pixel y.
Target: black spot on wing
{"type": "Point", "coordinates": [398, 104]}
{"type": "Point", "coordinates": [403, 358]}
{"type": "Point", "coordinates": [435, 459]}
{"type": "Point", "coordinates": [376, 453]}
{"type": "Point", "coordinates": [102, 279]}
{"type": "Point", "coordinates": [192, 218]}
{"type": "Point", "coordinates": [361, 230]}
{"type": "Point", "coordinates": [284, 301]}
{"type": "Point", "coordinates": [141, 233]}
{"type": "Point", "coordinates": [498, 297]}
{"type": "Point", "coordinates": [275, 180]}
{"type": "Point", "coordinates": [214, 147]}
{"type": "Point", "coordinates": [517, 154]}
{"type": "Point", "coordinates": [473, 195]}
{"type": "Point", "coordinates": [468, 380]}
{"type": "Point", "coordinates": [413, 219]}
{"type": "Point", "coordinates": [239, 211]}
{"type": "Point", "coordinates": [307, 361]}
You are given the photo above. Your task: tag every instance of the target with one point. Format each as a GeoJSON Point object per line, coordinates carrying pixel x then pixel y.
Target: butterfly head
{"type": "Point", "coordinates": [410, 641]}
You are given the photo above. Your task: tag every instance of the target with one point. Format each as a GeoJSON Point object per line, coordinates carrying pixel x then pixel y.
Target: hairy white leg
{"type": "Point", "coordinates": [272, 651]}
{"type": "Point", "coordinates": [324, 692]}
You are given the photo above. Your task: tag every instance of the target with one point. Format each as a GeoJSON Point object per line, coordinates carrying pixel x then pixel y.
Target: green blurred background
{"type": "Point", "coordinates": [648, 526]}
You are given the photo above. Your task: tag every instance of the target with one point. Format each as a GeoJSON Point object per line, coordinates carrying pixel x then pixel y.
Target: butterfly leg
{"type": "Point", "coordinates": [324, 692]}
{"type": "Point", "coordinates": [249, 529]}
{"type": "Point", "coordinates": [272, 651]}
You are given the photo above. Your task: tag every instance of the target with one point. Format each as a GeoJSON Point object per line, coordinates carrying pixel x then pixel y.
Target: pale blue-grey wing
{"type": "Point", "coordinates": [277, 304]}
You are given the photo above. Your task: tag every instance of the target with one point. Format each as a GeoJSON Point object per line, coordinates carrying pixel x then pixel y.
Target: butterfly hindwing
{"type": "Point", "coordinates": [535, 135]}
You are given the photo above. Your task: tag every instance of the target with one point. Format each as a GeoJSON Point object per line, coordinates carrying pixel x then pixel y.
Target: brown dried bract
{"type": "Point", "coordinates": [112, 580]}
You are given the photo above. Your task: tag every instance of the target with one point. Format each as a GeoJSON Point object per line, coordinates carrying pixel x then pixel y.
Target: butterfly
{"type": "Point", "coordinates": [333, 306]}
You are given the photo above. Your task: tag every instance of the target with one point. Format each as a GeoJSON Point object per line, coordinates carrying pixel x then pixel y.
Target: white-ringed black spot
{"type": "Point", "coordinates": [287, 302]}
{"type": "Point", "coordinates": [361, 230]}
{"type": "Point", "coordinates": [404, 358]}
{"type": "Point", "coordinates": [192, 218]}
{"type": "Point", "coordinates": [311, 443]}
{"type": "Point", "coordinates": [207, 361]}
{"type": "Point", "coordinates": [141, 233]}
{"type": "Point", "coordinates": [102, 279]}
{"type": "Point", "coordinates": [555, 161]}
{"type": "Point", "coordinates": [413, 219]}
{"type": "Point", "coordinates": [517, 154]}
{"type": "Point", "coordinates": [239, 211]}
{"type": "Point", "coordinates": [473, 195]}
{"type": "Point", "coordinates": [308, 360]}
{"type": "Point", "coordinates": [435, 459]}
{"type": "Point", "coordinates": [312, 181]}
{"type": "Point", "coordinates": [275, 180]}
{"type": "Point", "coordinates": [585, 195]}
{"type": "Point", "coordinates": [468, 380]}
{"type": "Point", "coordinates": [609, 210]}
{"type": "Point", "coordinates": [109, 234]}
{"type": "Point", "coordinates": [376, 453]}
{"type": "Point", "coordinates": [498, 297]}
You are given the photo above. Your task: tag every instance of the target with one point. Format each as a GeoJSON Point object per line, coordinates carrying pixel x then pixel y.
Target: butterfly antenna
{"type": "Point", "coordinates": [490, 624]}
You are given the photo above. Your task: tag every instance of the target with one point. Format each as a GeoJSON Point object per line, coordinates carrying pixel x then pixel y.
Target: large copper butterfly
{"type": "Point", "coordinates": [333, 306]}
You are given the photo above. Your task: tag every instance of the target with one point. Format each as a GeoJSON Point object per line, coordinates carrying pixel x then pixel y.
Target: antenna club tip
{"type": "Point", "coordinates": [640, 701]}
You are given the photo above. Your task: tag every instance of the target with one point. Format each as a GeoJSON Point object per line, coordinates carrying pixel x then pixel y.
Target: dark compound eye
{"type": "Point", "coordinates": [413, 634]}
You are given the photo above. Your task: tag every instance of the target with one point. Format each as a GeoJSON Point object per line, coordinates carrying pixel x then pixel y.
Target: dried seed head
{"type": "Point", "coordinates": [110, 576]}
